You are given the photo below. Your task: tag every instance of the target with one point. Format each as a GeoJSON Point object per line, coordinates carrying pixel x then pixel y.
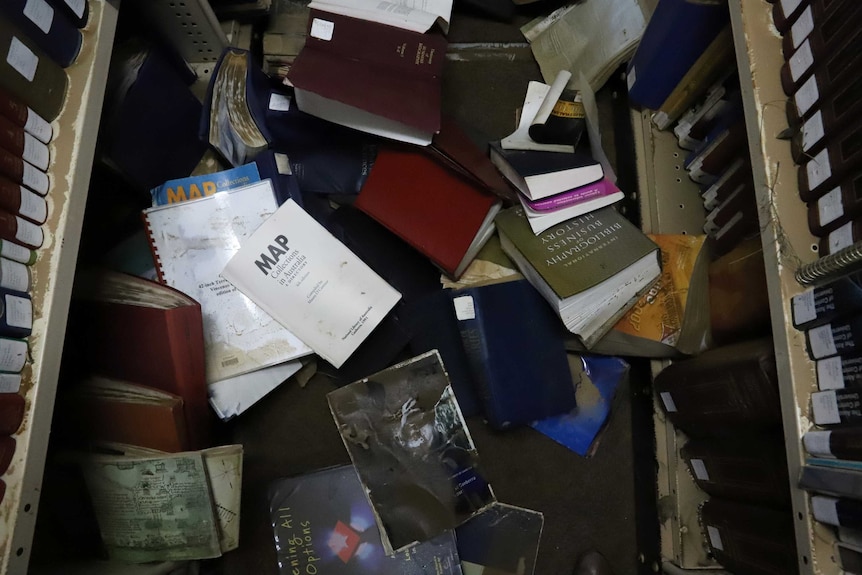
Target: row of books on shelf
{"type": "Point", "coordinates": [40, 39]}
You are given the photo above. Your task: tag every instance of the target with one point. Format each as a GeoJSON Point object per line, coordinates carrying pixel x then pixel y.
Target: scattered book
{"type": "Point", "coordinates": [537, 93]}
{"type": "Point", "coordinates": [501, 539]}
{"type": "Point", "coordinates": [591, 269]}
{"type": "Point", "coordinates": [191, 243]}
{"type": "Point", "coordinates": [49, 29]}
{"type": "Point", "coordinates": [538, 174]}
{"type": "Point", "coordinates": [405, 15]}
{"type": "Point", "coordinates": [548, 212]}
{"type": "Point", "coordinates": [412, 450]}
{"type": "Point", "coordinates": [323, 523]}
{"type": "Point", "coordinates": [432, 208]}
{"type": "Point", "coordinates": [153, 506]}
{"type": "Point", "coordinates": [197, 187]}
{"type": "Point", "coordinates": [301, 275]}
{"type": "Point", "coordinates": [822, 304]}
{"type": "Point", "coordinates": [331, 77]}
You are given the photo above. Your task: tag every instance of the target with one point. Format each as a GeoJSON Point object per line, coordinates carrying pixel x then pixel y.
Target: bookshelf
{"type": "Point", "coordinates": [72, 150]}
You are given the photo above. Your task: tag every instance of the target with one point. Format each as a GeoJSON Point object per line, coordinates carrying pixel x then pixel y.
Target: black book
{"type": "Point", "coordinates": [840, 442]}
{"type": "Point", "coordinates": [822, 304]}
{"type": "Point", "coordinates": [832, 117]}
{"type": "Point", "coordinates": [836, 207]}
{"type": "Point", "coordinates": [784, 14]}
{"type": "Point", "coordinates": [77, 11]}
{"type": "Point", "coordinates": [837, 511]}
{"type": "Point", "coordinates": [840, 337]}
{"type": "Point", "coordinates": [501, 539]}
{"type": "Point", "coordinates": [820, 19]}
{"type": "Point", "coordinates": [840, 157]}
{"type": "Point", "coordinates": [840, 372]}
{"type": "Point", "coordinates": [837, 407]}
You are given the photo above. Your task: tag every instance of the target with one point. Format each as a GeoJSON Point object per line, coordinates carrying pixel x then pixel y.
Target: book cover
{"type": "Point", "coordinates": [301, 275]}
{"type": "Point", "coordinates": [48, 28]}
{"type": "Point", "coordinates": [676, 35]}
{"type": "Point", "coordinates": [331, 77]}
{"type": "Point", "coordinates": [412, 450]}
{"type": "Point", "coordinates": [28, 74]}
{"type": "Point", "coordinates": [140, 331]}
{"type": "Point", "coordinates": [191, 243]}
{"type": "Point", "coordinates": [322, 522]}
{"type": "Point", "coordinates": [197, 187]}
{"type": "Point", "coordinates": [591, 269]}
{"type": "Point", "coordinates": [571, 204]}
{"type": "Point", "coordinates": [433, 209]}
{"type": "Point", "coordinates": [539, 174]}
{"type": "Point", "coordinates": [504, 365]}
{"type": "Point", "coordinates": [502, 539]}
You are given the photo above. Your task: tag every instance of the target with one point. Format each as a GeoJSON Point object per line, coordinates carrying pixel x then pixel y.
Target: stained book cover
{"type": "Point", "coordinates": [412, 450]}
{"type": "Point", "coordinates": [323, 524]}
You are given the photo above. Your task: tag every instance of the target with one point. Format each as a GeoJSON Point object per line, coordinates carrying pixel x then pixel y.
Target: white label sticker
{"type": "Point", "coordinates": [19, 311]}
{"type": "Point", "coordinates": [714, 538]}
{"type": "Point", "coordinates": [825, 509]}
{"type": "Point", "coordinates": [668, 401]}
{"type": "Point", "coordinates": [802, 27]}
{"type": "Point", "coordinates": [821, 341]}
{"type": "Point", "coordinates": [22, 59]}
{"type": "Point", "coordinates": [818, 169]}
{"type": "Point", "coordinates": [322, 29]}
{"type": "Point", "coordinates": [801, 61]}
{"type": "Point", "coordinates": [699, 468]}
{"type": "Point", "coordinates": [465, 308]}
{"type": "Point", "coordinates": [803, 307]}
{"type": "Point", "coordinates": [33, 206]}
{"type": "Point", "coordinates": [812, 131]}
{"type": "Point", "coordinates": [279, 102]}
{"type": "Point", "coordinates": [38, 126]}
{"type": "Point", "coordinates": [35, 179]}
{"type": "Point", "coordinates": [841, 238]}
{"type": "Point", "coordinates": [35, 152]}
{"type": "Point", "coordinates": [830, 206]}
{"type": "Point", "coordinates": [282, 164]}
{"type": "Point", "coordinates": [40, 13]}
{"type": "Point", "coordinates": [631, 78]}
{"type": "Point", "coordinates": [824, 404]}
{"type": "Point", "coordinates": [817, 442]}
{"type": "Point", "coordinates": [830, 374]}
{"type": "Point", "coordinates": [29, 233]}
{"type": "Point", "coordinates": [788, 6]}
{"type": "Point", "coordinates": [807, 95]}
{"type": "Point", "coordinates": [13, 354]}
{"type": "Point", "coordinates": [10, 382]}
{"type": "Point", "coordinates": [14, 276]}
{"type": "Point", "coordinates": [15, 252]}
{"type": "Point", "coordinates": [77, 7]}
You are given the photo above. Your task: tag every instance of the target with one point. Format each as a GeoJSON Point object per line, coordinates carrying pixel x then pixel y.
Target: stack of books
{"type": "Point", "coordinates": [40, 39]}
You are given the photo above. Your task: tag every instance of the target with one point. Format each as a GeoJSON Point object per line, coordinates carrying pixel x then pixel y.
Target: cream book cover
{"type": "Point", "coordinates": [311, 283]}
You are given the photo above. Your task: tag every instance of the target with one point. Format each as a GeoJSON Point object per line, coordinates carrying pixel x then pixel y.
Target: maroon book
{"type": "Point", "coordinates": [11, 412]}
{"type": "Point", "coordinates": [375, 78]}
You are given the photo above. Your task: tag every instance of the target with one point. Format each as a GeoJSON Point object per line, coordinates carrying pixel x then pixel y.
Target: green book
{"type": "Point", "coordinates": [591, 269]}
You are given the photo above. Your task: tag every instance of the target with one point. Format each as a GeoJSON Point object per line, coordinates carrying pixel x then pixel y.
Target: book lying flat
{"type": "Point", "coordinates": [539, 174]}
{"type": "Point", "coordinates": [548, 212]}
{"type": "Point", "coordinates": [406, 14]}
{"type": "Point", "coordinates": [412, 450]}
{"type": "Point", "coordinates": [301, 275]}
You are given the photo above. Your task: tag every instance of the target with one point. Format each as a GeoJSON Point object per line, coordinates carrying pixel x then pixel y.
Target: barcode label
{"type": "Point", "coordinates": [830, 373]}
{"type": "Point", "coordinates": [38, 126]}
{"type": "Point", "coordinates": [10, 382]}
{"type": "Point", "coordinates": [35, 152]}
{"type": "Point", "coordinates": [788, 6]}
{"type": "Point", "coordinates": [14, 276]}
{"type": "Point", "coordinates": [830, 206]}
{"type": "Point", "coordinates": [841, 238]}
{"type": "Point", "coordinates": [229, 361]}
{"type": "Point", "coordinates": [322, 29]}
{"type": "Point", "coordinates": [22, 59]}
{"type": "Point", "coordinates": [32, 206]}
{"type": "Point", "coordinates": [35, 179]}
{"type": "Point", "coordinates": [77, 6]}
{"type": "Point", "coordinates": [821, 341]}
{"type": "Point", "coordinates": [465, 308]}
{"type": "Point", "coordinates": [631, 78]}
{"type": "Point", "coordinates": [817, 442]}
{"type": "Point", "coordinates": [282, 163]}
{"type": "Point", "coordinates": [825, 509]}
{"type": "Point", "coordinates": [807, 95]}
{"type": "Point", "coordinates": [279, 102]}
{"type": "Point", "coordinates": [28, 233]}
{"type": "Point", "coordinates": [668, 401]}
{"type": "Point", "coordinates": [15, 252]}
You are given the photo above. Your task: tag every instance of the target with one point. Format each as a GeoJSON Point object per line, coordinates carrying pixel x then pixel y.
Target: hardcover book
{"type": "Point", "coordinates": [48, 28]}
{"type": "Point", "coordinates": [822, 304]}
{"type": "Point", "coordinates": [837, 511]}
{"type": "Point", "coordinates": [840, 442]}
{"type": "Point", "coordinates": [322, 521]}
{"type": "Point", "coordinates": [409, 16]}
{"type": "Point", "coordinates": [435, 210]}
{"type": "Point", "coordinates": [836, 406]}
{"type": "Point", "coordinates": [842, 336]}
{"type": "Point", "coordinates": [507, 368]}
{"type": "Point", "coordinates": [539, 174]}
{"type": "Point", "coordinates": [590, 269]}
{"type": "Point", "coordinates": [191, 243]}
{"type": "Point", "coordinates": [838, 206]}
{"type": "Point", "coordinates": [839, 372]}
{"type": "Point", "coordinates": [16, 111]}
{"type": "Point", "coordinates": [501, 539]}
{"type": "Point", "coordinates": [197, 187]}
{"type": "Point", "coordinates": [548, 212]}
{"type": "Point", "coordinates": [412, 450]}
{"type": "Point", "coordinates": [331, 77]}
{"type": "Point", "coordinates": [301, 275]}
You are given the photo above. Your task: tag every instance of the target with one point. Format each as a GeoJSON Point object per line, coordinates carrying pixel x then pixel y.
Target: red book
{"type": "Point", "coordinates": [136, 330]}
{"type": "Point", "coordinates": [17, 199]}
{"type": "Point", "coordinates": [11, 412]}
{"type": "Point", "coordinates": [372, 77]}
{"type": "Point", "coordinates": [432, 208]}
{"type": "Point", "coordinates": [16, 169]}
{"type": "Point", "coordinates": [7, 450]}
{"type": "Point", "coordinates": [16, 140]}
{"type": "Point", "coordinates": [17, 112]}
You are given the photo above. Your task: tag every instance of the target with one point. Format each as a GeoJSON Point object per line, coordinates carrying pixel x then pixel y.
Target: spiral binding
{"type": "Point", "coordinates": [832, 265]}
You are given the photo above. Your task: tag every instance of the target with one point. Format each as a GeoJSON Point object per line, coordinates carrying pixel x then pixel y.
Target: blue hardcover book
{"type": "Point", "coordinates": [676, 35]}
{"type": "Point", "coordinates": [514, 344]}
{"type": "Point", "coordinates": [196, 187]}
{"type": "Point", "coordinates": [501, 539]}
{"type": "Point", "coordinates": [77, 11]}
{"type": "Point", "coordinates": [48, 28]}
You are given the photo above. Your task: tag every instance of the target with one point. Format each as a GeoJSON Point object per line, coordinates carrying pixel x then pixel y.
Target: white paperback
{"type": "Point", "coordinates": [192, 241]}
{"type": "Point", "coordinates": [310, 282]}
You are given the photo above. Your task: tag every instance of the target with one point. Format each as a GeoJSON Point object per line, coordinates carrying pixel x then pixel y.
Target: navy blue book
{"type": "Point", "coordinates": [822, 304]}
{"type": "Point", "coordinates": [16, 316]}
{"type": "Point", "coordinates": [275, 166]}
{"type": "Point", "coordinates": [676, 35]}
{"type": "Point", "coordinates": [840, 337]}
{"type": "Point", "coordinates": [323, 523]}
{"type": "Point", "coordinates": [514, 344]}
{"type": "Point", "coordinates": [501, 539]}
{"type": "Point", "coordinates": [48, 28]}
{"type": "Point", "coordinates": [433, 325]}
{"type": "Point", "coordinates": [77, 11]}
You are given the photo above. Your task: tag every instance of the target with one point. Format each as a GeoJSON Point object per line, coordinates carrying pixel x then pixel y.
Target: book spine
{"type": "Point", "coordinates": [839, 442]}
{"type": "Point", "coordinates": [13, 355]}
{"type": "Point", "coordinates": [819, 20]}
{"type": "Point", "coordinates": [17, 253]}
{"type": "Point", "coordinates": [77, 11]}
{"type": "Point", "coordinates": [11, 412]}
{"type": "Point", "coordinates": [836, 407]}
{"type": "Point", "coordinates": [836, 115]}
{"type": "Point", "coordinates": [17, 112]}
{"type": "Point", "coordinates": [20, 171]}
{"type": "Point", "coordinates": [599, 189]}
{"type": "Point", "coordinates": [839, 372]}
{"type": "Point", "coordinates": [49, 29]}
{"type": "Point", "coordinates": [17, 314]}
{"type": "Point", "coordinates": [828, 60]}
{"type": "Point", "coordinates": [785, 13]}
{"type": "Point", "coordinates": [837, 511]}
{"type": "Point", "coordinates": [841, 204]}
{"type": "Point", "coordinates": [19, 142]}
{"type": "Point", "coordinates": [821, 305]}
{"type": "Point", "coordinates": [17, 199]}
{"type": "Point", "coordinates": [840, 156]}
{"type": "Point", "coordinates": [840, 238]}
{"type": "Point", "coordinates": [831, 481]}
{"type": "Point", "coordinates": [842, 336]}
{"type": "Point", "coordinates": [16, 229]}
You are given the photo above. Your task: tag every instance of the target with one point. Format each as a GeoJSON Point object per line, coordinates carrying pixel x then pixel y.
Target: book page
{"type": "Point", "coordinates": [192, 241]}
{"type": "Point", "coordinates": [224, 469]}
{"type": "Point", "coordinates": [153, 508]}
{"type": "Point", "coordinates": [298, 272]}
{"type": "Point", "coordinates": [415, 15]}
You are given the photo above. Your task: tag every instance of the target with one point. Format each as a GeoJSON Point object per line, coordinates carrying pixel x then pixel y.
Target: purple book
{"type": "Point", "coordinates": [603, 187]}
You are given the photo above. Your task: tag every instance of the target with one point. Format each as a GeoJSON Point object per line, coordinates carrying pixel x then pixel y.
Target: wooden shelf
{"type": "Point", "coordinates": [72, 150]}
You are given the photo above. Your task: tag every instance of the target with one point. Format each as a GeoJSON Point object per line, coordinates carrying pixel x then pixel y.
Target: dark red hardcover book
{"type": "Point", "coordinates": [18, 170]}
{"type": "Point", "coordinates": [836, 207]}
{"type": "Point", "coordinates": [7, 450]}
{"type": "Point", "coordinates": [20, 231]}
{"type": "Point", "coordinates": [17, 112]}
{"type": "Point", "coordinates": [784, 14]}
{"type": "Point", "coordinates": [822, 18]}
{"type": "Point", "coordinates": [17, 199]}
{"type": "Point", "coordinates": [11, 412]}
{"type": "Point", "coordinates": [832, 54]}
{"type": "Point", "coordinates": [432, 208]}
{"type": "Point", "coordinates": [19, 142]}
{"type": "Point", "coordinates": [841, 156]}
{"type": "Point", "coordinates": [376, 78]}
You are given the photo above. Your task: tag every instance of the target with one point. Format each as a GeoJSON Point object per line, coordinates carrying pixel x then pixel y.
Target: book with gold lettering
{"type": "Point", "coordinates": [591, 269]}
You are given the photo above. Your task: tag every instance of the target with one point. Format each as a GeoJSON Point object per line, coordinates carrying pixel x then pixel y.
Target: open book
{"type": "Point", "coordinates": [415, 15]}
